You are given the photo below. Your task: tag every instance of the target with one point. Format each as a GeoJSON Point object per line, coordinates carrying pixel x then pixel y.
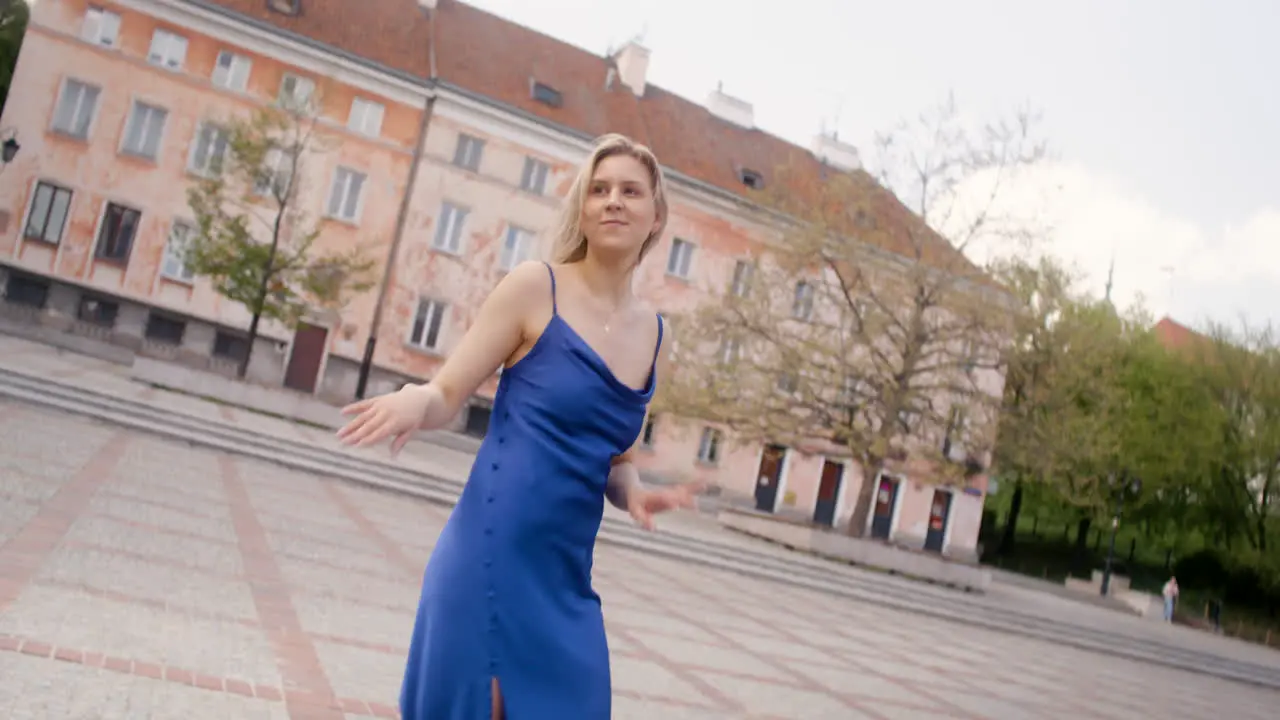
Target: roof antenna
{"type": "Point", "coordinates": [1111, 274]}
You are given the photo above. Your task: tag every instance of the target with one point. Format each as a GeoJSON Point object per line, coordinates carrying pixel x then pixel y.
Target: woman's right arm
{"type": "Point", "coordinates": [498, 331]}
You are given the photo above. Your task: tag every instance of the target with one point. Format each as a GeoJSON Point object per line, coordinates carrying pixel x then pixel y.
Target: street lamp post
{"type": "Point", "coordinates": [1134, 486]}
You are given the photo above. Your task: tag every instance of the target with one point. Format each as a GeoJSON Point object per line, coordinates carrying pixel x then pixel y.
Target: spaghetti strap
{"type": "Point", "coordinates": [658, 348]}
{"type": "Point", "coordinates": [554, 309]}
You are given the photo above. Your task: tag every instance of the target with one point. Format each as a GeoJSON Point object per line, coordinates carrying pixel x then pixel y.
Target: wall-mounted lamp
{"type": "Point", "coordinates": [10, 147]}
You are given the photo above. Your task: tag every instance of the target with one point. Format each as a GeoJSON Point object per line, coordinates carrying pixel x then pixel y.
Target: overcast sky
{"type": "Point", "coordinates": [1163, 115]}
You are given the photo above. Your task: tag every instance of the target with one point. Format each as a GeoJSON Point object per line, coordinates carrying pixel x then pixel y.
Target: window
{"type": "Point", "coordinates": [547, 95]}
{"type": "Point", "coordinates": [366, 117]}
{"type": "Point", "coordinates": [802, 307]}
{"type": "Point", "coordinates": [209, 150]}
{"type": "Point", "coordinates": [647, 435]}
{"type": "Point", "coordinates": [743, 272]}
{"type": "Point", "coordinates": [344, 196]}
{"type": "Point", "coordinates": [751, 179]}
{"type": "Point", "coordinates": [231, 71]}
{"type": "Point", "coordinates": [174, 266]}
{"type": "Point", "coordinates": [788, 383]}
{"type": "Point", "coordinates": [680, 259]}
{"type": "Point", "coordinates": [516, 247]}
{"type": "Point", "coordinates": [96, 311]}
{"type": "Point", "coordinates": [449, 229]}
{"type": "Point", "coordinates": [230, 347]}
{"type": "Point", "coordinates": [296, 92]}
{"type": "Point", "coordinates": [276, 174]}
{"type": "Point", "coordinates": [466, 154]}
{"type": "Point", "coordinates": [534, 177]}
{"type": "Point", "coordinates": [426, 324]}
{"type": "Point", "coordinates": [168, 50]}
{"type": "Point", "coordinates": [115, 237]}
{"type": "Point", "coordinates": [285, 7]}
{"type": "Point", "coordinates": [48, 213]}
{"type": "Point", "coordinates": [100, 27]}
{"type": "Point", "coordinates": [709, 446]}
{"type": "Point", "coordinates": [164, 329]}
{"type": "Point", "coordinates": [730, 351]}
{"type": "Point", "coordinates": [26, 290]}
{"type": "Point", "coordinates": [144, 131]}
{"type": "Point", "coordinates": [76, 105]}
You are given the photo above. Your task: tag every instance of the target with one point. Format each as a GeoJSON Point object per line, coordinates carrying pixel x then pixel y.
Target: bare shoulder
{"type": "Point", "coordinates": [525, 284]}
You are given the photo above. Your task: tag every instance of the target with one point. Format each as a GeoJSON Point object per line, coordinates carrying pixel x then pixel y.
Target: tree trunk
{"type": "Point", "coordinates": [1009, 539]}
{"type": "Point", "coordinates": [862, 506]}
{"type": "Point", "coordinates": [1082, 540]}
{"type": "Point", "coordinates": [261, 303]}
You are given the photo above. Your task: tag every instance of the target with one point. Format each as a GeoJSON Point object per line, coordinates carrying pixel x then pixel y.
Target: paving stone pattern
{"type": "Point", "coordinates": [142, 578]}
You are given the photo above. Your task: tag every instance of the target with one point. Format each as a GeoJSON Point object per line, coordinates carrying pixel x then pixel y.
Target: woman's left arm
{"type": "Point", "coordinates": [624, 479]}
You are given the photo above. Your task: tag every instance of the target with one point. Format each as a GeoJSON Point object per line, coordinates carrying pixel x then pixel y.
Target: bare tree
{"type": "Point", "coordinates": [861, 328]}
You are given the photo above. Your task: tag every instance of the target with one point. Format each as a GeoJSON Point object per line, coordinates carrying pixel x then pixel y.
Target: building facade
{"type": "Point", "coordinates": [456, 134]}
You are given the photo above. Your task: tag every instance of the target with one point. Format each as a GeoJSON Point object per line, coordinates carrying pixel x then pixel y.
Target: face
{"type": "Point", "coordinates": [620, 211]}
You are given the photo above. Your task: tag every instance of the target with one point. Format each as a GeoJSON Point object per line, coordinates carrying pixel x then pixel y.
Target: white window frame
{"type": "Point", "coordinates": [450, 227]}
{"type": "Point", "coordinates": [709, 446]}
{"type": "Point", "coordinates": [102, 223]}
{"type": "Point", "coordinates": [533, 178]}
{"type": "Point", "coordinates": [366, 117]}
{"type": "Point", "coordinates": [517, 246]}
{"type": "Point", "coordinates": [346, 194]}
{"type": "Point", "coordinates": [55, 188]}
{"type": "Point", "coordinates": [744, 271]}
{"type": "Point", "coordinates": [468, 153]}
{"type": "Point", "coordinates": [84, 89]}
{"type": "Point", "coordinates": [680, 258]}
{"type": "Point", "coordinates": [302, 95]}
{"type": "Point", "coordinates": [437, 312]}
{"type": "Point", "coordinates": [278, 162]}
{"type": "Point", "coordinates": [100, 27]}
{"type": "Point", "coordinates": [168, 49]}
{"type": "Point", "coordinates": [234, 75]}
{"type": "Point", "coordinates": [134, 107]}
{"type": "Point", "coordinates": [802, 302]}
{"type": "Point", "coordinates": [204, 169]}
{"type": "Point", "coordinates": [172, 265]}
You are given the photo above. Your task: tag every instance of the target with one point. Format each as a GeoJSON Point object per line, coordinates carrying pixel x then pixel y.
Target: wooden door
{"type": "Point", "coordinates": [303, 370]}
{"type": "Point", "coordinates": [769, 476]}
{"type": "Point", "coordinates": [824, 510]}
{"type": "Point", "coordinates": [886, 500]}
{"type": "Point", "coordinates": [939, 516]}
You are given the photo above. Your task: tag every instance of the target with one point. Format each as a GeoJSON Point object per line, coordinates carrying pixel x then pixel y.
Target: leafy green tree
{"type": "Point", "coordinates": [255, 242]}
{"type": "Point", "coordinates": [14, 15]}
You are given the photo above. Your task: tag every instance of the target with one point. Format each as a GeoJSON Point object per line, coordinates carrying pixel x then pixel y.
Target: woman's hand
{"type": "Point", "coordinates": [643, 504]}
{"type": "Point", "coordinates": [395, 415]}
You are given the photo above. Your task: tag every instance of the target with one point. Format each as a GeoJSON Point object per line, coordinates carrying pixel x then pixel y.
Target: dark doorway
{"type": "Point", "coordinates": [939, 516]}
{"type": "Point", "coordinates": [769, 476]}
{"type": "Point", "coordinates": [886, 500]}
{"type": "Point", "coordinates": [824, 510]}
{"type": "Point", "coordinates": [304, 360]}
{"type": "Point", "coordinates": [478, 420]}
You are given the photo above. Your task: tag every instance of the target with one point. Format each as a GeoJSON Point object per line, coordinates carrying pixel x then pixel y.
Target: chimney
{"type": "Point", "coordinates": [632, 62]}
{"type": "Point", "coordinates": [727, 107]}
{"type": "Point", "coordinates": [428, 4]}
{"type": "Point", "coordinates": [830, 150]}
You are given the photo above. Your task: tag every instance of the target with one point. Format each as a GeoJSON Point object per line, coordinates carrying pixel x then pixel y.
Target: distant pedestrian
{"type": "Point", "coordinates": [1170, 593]}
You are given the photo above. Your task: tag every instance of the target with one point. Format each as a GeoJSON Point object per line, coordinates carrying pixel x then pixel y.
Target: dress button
{"type": "Point", "coordinates": [501, 440]}
{"type": "Point", "coordinates": [495, 466]}
{"type": "Point", "coordinates": [491, 595]}
{"type": "Point", "coordinates": [488, 562]}
{"type": "Point", "coordinates": [489, 499]}
{"type": "Point", "coordinates": [488, 531]}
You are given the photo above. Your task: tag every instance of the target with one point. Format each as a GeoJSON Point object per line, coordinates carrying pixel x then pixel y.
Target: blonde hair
{"type": "Point", "coordinates": [568, 243]}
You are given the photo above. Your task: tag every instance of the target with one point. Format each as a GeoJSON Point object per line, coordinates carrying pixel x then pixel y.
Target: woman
{"type": "Point", "coordinates": [507, 616]}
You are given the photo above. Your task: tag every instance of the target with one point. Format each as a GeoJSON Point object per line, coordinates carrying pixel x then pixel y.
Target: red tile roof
{"type": "Point", "coordinates": [494, 57]}
{"type": "Point", "coordinates": [1174, 336]}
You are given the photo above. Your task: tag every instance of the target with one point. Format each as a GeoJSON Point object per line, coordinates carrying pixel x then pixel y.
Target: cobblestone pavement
{"type": "Point", "coordinates": [142, 578]}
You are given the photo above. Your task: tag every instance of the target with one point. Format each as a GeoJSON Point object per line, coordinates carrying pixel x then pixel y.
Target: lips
{"type": "Point", "coordinates": [613, 222]}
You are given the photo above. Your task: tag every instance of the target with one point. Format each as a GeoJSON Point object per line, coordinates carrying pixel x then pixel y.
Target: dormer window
{"type": "Point", "coordinates": [287, 7]}
{"type": "Point", "coordinates": [547, 95]}
{"type": "Point", "coordinates": [751, 179]}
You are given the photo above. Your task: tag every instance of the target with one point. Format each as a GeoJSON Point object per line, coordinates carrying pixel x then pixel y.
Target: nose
{"type": "Point", "coordinates": [615, 198]}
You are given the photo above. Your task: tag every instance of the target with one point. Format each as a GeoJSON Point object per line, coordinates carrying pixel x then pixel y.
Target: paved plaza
{"type": "Point", "coordinates": [144, 578]}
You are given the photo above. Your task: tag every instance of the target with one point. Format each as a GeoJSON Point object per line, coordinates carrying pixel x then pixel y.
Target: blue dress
{"type": "Point", "coordinates": [507, 593]}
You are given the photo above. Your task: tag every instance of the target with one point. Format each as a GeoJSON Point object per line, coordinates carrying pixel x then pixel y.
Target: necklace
{"type": "Point", "coordinates": [608, 321]}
